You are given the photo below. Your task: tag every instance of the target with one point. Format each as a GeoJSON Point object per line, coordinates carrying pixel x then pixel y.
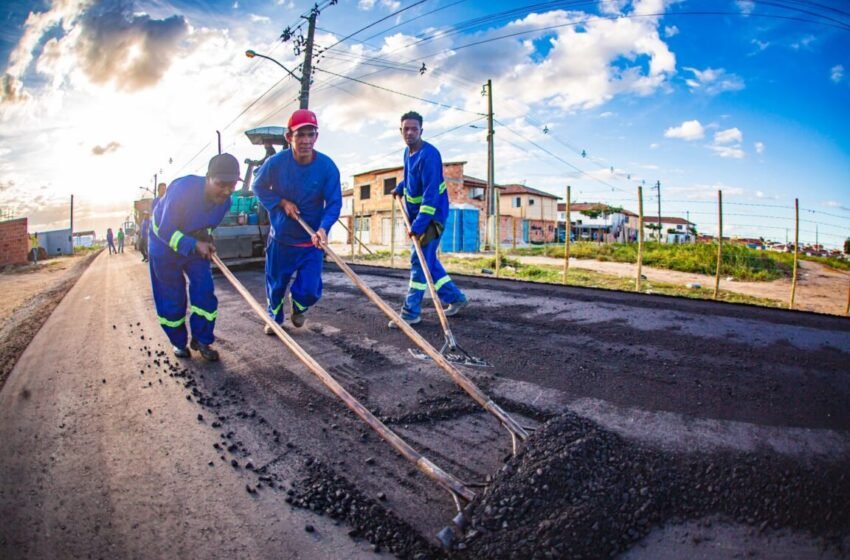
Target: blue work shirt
{"type": "Point", "coordinates": [424, 189]}
{"type": "Point", "coordinates": [184, 209]}
{"type": "Point", "coordinates": [314, 188]}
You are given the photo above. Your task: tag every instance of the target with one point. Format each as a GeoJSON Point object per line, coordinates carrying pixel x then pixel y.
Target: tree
{"type": "Point", "coordinates": [847, 246]}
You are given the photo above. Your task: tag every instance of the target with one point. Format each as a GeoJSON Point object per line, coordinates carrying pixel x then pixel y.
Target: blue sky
{"type": "Point", "coordinates": [751, 98]}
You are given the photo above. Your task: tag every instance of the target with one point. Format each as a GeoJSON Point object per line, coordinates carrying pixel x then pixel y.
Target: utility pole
{"type": "Point", "coordinates": [307, 67]}
{"type": "Point", "coordinates": [492, 228]}
{"type": "Point", "coordinates": [658, 188]}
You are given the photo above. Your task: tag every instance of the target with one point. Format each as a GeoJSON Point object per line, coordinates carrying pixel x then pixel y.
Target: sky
{"type": "Point", "coordinates": [751, 98]}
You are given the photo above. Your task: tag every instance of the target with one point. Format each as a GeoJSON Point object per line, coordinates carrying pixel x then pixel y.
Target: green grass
{"type": "Point", "coordinates": [512, 268]}
{"type": "Point", "coordinates": [741, 263]}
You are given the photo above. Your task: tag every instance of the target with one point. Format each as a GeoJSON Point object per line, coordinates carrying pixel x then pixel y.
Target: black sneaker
{"type": "Point", "coordinates": [208, 353]}
{"type": "Point", "coordinates": [455, 307]}
{"type": "Point", "coordinates": [182, 352]}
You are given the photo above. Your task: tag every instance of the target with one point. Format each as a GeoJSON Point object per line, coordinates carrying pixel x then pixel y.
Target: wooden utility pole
{"type": "Point", "coordinates": [498, 232]}
{"type": "Point", "coordinates": [307, 67]}
{"type": "Point", "coordinates": [353, 226]}
{"type": "Point", "coordinates": [658, 187]}
{"type": "Point", "coordinates": [796, 251]}
{"type": "Point", "coordinates": [490, 234]}
{"type": "Point", "coordinates": [719, 243]}
{"type": "Point", "coordinates": [392, 233]}
{"type": "Point", "coordinates": [567, 236]}
{"type": "Point", "coordinates": [640, 239]}
{"type": "Point", "coordinates": [72, 224]}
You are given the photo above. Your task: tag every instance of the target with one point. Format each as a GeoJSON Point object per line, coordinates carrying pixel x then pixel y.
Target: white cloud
{"type": "Point", "coordinates": [366, 5]}
{"type": "Point", "coordinates": [260, 19]}
{"type": "Point", "coordinates": [734, 152]}
{"type": "Point", "coordinates": [688, 130]}
{"type": "Point", "coordinates": [236, 5]}
{"type": "Point", "coordinates": [713, 81]}
{"type": "Point", "coordinates": [836, 73]}
{"type": "Point", "coordinates": [728, 136]}
{"type": "Point", "coordinates": [746, 6]}
{"type": "Point", "coordinates": [606, 115]}
{"type": "Point", "coordinates": [804, 43]}
{"type": "Point", "coordinates": [759, 146]}
{"type": "Point", "coordinates": [760, 45]}
{"type": "Point", "coordinates": [653, 146]}
{"type": "Point", "coordinates": [671, 31]}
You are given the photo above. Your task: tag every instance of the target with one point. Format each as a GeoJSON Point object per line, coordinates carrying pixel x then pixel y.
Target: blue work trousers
{"type": "Point", "coordinates": [168, 280]}
{"type": "Point", "coordinates": [447, 291]}
{"type": "Point", "coordinates": [282, 261]}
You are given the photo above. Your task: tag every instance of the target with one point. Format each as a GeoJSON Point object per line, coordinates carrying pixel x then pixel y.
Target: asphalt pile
{"type": "Point", "coordinates": [327, 493]}
{"type": "Point", "coordinates": [579, 491]}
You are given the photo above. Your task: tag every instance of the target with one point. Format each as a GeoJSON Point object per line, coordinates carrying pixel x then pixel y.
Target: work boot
{"type": "Point", "coordinates": [182, 352]}
{"type": "Point", "coordinates": [455, 307]}
{"type": "Point", "coordinates": [297, 317]}
{"type": "Point", "coordinates": [208, 353]}
{"type": "Point", "coordinates": [408, 318]}
{"type": "Point", "coordinates": [268, 330]}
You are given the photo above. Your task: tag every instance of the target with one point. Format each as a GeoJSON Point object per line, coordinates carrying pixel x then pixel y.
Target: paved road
{"type": "Point", "coordinates": [102, 451]}
{"type": "Point", "coordinates": [87, 472]}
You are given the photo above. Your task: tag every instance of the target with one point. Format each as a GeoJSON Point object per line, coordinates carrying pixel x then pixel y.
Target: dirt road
{"type": "Point", "coordinates": [819, 288]}
{"type": "Point", "coordinates": [735, 417]}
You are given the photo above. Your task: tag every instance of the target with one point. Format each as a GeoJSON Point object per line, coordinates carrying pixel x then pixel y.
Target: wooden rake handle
{"type": "Point", "coordinates": [515, 429]}
{"type": "Point", "coordinates": [429, 469]}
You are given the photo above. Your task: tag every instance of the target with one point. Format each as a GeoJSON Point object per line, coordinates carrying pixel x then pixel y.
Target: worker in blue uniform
{"type": "Point", "coordinates": [180, 245]}
{"type": "Point", "coordinates": [427, 203]}
{"type": "Point", "coordinates": [297, 182]}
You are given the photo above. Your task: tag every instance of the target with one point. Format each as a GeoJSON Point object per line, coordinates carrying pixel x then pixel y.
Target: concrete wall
{"type": "Point", "coordinates": [14, 242]}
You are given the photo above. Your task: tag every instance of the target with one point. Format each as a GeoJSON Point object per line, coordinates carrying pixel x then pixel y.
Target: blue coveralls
{"type": "Point", "coordinates": [171, 250]}
{"type": "Point", "coordinates": [426, 200]}
{"type": "Point", "coordinates": [315, 189]}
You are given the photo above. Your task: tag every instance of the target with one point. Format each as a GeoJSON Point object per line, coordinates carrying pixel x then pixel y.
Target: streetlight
{"type": "Point", "coordinates": [149, 190]}
{"type": "Point", "coordinates": [253, 54]}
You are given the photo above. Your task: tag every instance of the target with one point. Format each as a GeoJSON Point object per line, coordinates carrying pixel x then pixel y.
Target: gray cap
{"type": "Point", "coordinates": [224, 167]}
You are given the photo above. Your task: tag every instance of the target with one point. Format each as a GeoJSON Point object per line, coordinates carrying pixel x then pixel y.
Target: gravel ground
{"type": "Point", "coordinates": [579, 491]}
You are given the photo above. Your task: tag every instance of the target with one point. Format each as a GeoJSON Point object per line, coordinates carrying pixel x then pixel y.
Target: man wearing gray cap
{"type": "Point", "coordinates": [180, 246]}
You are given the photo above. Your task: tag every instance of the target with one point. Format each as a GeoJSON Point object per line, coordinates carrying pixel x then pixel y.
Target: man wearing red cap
{"type": "Point", "coordinates": [297, 181]}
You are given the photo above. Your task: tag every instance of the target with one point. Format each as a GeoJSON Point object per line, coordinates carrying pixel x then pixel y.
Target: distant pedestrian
{"type": "Point", "coordinates": [426, 200]}
{"type": "Point", "coordinates": [144, 229]}
{"type": "Point", "coordinates": [120, 240]}
{"type": "Point", "coordinates": [110, 241]}
{"type": "Point", "coordinates": [34, 247]}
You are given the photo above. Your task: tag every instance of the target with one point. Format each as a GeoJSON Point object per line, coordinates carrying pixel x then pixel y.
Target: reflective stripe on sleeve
{"type": "Point", "coordinates": [442, 187]}
{"type": "Point", "coordinates": [175, 240]}
{"type": "Point", "coordinates": [425, 209]}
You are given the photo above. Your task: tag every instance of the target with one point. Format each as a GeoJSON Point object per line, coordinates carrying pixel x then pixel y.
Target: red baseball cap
{"type": "Point", "coordinates": [302, 117]}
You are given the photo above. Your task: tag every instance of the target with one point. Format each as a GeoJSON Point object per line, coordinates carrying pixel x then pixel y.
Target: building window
{"type": "Point", "coordinates": [365, 191]}
{"type": "Point", "coordinates": [362, 223]}
{"type": "Point", "coordinates": [389, 185]}
{"type": "Point", "coordinates": [531, 202]}
{"type": "Point", "coordinates": [517, 202]}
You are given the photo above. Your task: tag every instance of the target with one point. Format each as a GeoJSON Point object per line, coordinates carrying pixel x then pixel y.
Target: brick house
{"type": "Point", "coordinates": [14, 242]}
{"type": "Point", "coordinates": [367, 206]}
{"type": "Point", "coordinates": [527, 215]}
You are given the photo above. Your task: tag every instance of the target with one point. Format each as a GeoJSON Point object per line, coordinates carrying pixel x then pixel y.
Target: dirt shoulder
{"type": "Point", "coordinates": [30, 293]}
